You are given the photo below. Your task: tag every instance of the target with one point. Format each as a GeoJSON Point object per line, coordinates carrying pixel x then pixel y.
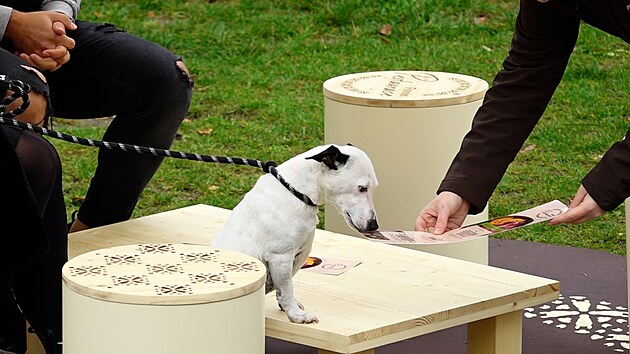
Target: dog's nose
{"type": "Point", "coordinates": [372, 225]}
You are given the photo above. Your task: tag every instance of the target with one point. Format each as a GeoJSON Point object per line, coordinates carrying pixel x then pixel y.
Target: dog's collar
{"type": "Point", "coordinates": [271, 168]}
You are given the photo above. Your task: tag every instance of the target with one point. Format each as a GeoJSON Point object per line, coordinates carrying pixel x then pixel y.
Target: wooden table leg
{"type": "Point", "coordinates": [497, 335]}
{"type": "Point", "coordinates": [369, 351]}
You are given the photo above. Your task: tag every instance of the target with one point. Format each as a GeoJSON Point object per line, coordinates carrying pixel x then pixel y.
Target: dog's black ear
{"type": "Point", "coordinates": [331, 157]}
{"type": "Point", "coordinates": [349, 144]}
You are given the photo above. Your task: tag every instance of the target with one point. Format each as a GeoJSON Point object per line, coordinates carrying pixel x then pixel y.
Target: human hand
{"type": "Point", "coordinates": [581, 209]}
{"type": "Point", "coordinates": [40, 38]}
{"type": "Point", "coordinates": [52, 59]}
{"type": "Point", "coordinates": [444, 213]}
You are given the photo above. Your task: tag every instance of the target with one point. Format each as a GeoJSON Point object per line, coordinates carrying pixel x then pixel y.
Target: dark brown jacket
{"type": "Point", "coordinates": [544, 37]}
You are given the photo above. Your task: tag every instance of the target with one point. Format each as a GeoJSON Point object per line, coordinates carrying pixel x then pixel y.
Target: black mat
{"type": "Point", "coordinates": [591, 316]}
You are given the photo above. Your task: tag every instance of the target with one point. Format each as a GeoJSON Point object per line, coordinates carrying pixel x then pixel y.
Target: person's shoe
{"type": "Point", "coordinates": [49, 341]}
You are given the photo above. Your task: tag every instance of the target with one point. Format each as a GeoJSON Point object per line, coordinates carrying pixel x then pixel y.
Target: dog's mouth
{"type": "Point", "coordinates": [372, 225]}
{"type": "Point", "coordinates": [349, 220]}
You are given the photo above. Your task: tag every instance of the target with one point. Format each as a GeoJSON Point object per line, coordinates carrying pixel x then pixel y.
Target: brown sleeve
{"type": "Point", "coordinates": [543, 40]}
{"type": "Point", "coordinates": [608, 183]}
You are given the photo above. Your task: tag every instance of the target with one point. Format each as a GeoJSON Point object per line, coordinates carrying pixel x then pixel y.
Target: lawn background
{"type": "Point", "coordinates": [259, 67]}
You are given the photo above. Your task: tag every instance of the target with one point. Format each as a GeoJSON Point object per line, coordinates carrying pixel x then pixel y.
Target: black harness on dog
{"type": "Point", "coordinates": [21, 89]}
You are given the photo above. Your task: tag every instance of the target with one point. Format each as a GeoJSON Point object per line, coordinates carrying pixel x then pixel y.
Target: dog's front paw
{"type": "Point", "coordinates": [301, 316]}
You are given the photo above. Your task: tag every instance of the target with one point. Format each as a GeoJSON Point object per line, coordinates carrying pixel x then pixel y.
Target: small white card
{"type": "Point", "coordinates": [328, 265]}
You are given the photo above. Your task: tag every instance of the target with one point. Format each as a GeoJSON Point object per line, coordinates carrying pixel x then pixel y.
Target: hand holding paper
{"type": "Point", "coordinates": [504, 223]}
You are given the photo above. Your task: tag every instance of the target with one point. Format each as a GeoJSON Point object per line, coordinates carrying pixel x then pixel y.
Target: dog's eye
{"type": "Point", "coordinates": [363, 189]}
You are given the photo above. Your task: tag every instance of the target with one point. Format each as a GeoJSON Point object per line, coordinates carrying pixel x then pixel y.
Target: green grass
{"type": "Point", "coordinates": [259, 68]}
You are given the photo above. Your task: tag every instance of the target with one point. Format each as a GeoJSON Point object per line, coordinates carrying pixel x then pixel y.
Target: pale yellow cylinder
{"type": "Point", "coordinates": [411, 124]}
{"type": "Point", "coordinates": [192, 300]}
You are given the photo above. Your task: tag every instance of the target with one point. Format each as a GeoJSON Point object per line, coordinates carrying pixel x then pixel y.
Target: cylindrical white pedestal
{"type": "Point", "coordinates": [411, 124]}
{"type": "Point", "coordinates": [163, 298]}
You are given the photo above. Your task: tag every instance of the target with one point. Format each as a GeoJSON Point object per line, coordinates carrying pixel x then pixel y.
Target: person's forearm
{"type": "Point", "coordinates": [541, 47]}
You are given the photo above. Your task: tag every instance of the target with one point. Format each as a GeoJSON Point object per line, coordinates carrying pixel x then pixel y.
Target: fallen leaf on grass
{"type": "Point", "coordinates": [205, 131]}
{"type": "Point", "coordinates": [386, 29]}
{"type": "Point", "coordinates": [529, 148]}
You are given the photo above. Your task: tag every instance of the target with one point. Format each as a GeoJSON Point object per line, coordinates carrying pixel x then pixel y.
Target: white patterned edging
{"type": "Point", "coordinates": [601, 321]}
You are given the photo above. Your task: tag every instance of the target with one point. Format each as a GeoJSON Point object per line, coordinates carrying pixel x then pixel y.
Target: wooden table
{"type": "Point", "coordinates": [393, 295]}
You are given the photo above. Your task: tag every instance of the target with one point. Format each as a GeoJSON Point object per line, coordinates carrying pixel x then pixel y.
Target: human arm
{"type": "Point", "coordinates": [544, 38]}
{"type": "Point", "coordinates": [541, 47]}
{"type": "Point", "coordinates": [603, 189]}
{"type": "Point", "coordinates": [609, 182]}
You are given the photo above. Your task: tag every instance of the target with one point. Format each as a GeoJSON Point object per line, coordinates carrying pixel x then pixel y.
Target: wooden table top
{"type": "Point", "coordinates": [393, 294]}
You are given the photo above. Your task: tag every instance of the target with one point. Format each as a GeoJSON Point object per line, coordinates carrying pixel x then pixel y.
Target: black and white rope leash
{"type": "Point", "coordinates": [21, 90]}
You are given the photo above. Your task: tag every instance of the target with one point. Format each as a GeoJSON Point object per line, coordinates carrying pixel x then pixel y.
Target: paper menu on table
{"type": "Point", "coordinates": [485, 228]}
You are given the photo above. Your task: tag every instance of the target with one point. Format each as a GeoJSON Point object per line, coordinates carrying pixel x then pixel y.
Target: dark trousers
{"type": "Point", "coordinates": [32, 257]}
{"type": "Point", "coordinates": [112, 73]}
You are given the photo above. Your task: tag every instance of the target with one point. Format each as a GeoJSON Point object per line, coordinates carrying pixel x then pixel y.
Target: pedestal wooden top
{"type": "Point", "coordinates": [405, 89]}
{"type": "Point", "coordinates": [163, 274]}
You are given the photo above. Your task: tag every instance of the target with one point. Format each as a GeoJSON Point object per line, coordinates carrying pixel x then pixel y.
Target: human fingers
{"type": "Point", "coordinates": [60, 54]}
{"type": "Point", "coordinates": [46, 64]}
{"type": "Point", "coordinates": [583, 208]}
{"type": "Point", "coordinates": [59, 28]}
{"type": "Point", "coordinates": [579, 197]}
{"type": "Point", "coordinates": [65, 41]}
{"type": "Point", "coordinates": [65, 21]}
{"type": "Point", "coordinates": [446, 212]}
{"type": "Point", "coordinates": [452, 212]}
{"type": "Point", "coordinates": [26, 58]}
{"type": "Point", "coordinates": [426, 219]}
{"type": "Point", "coordinates": [577, 215]}
{"type": "Point", "coordinates": [441, 224]}
{"type": "Point", "coordinates": [60, 24]}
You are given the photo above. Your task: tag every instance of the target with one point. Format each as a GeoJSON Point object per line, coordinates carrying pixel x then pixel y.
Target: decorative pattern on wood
{"type": "Point", "coordinates": [164, 273]}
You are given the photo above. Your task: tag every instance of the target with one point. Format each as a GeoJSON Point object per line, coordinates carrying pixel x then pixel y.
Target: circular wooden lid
{"type": "Point", "coordinates": [405, 89]}
{"type": "Point", "coordinates": [164, 274]}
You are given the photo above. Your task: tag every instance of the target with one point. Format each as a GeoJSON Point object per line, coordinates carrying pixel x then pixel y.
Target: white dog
{"type": "Point", "coordinates": [278, 228]}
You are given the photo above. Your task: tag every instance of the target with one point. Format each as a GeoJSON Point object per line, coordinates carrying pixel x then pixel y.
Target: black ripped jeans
{"type": "Point", "coordinates": [111, 73]}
